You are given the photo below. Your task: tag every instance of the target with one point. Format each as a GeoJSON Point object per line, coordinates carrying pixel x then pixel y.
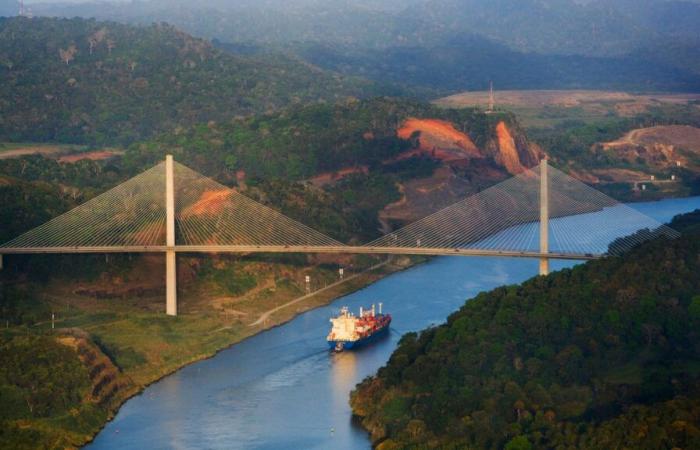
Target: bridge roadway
{"type": "Point", "coordinates": [340, 249]}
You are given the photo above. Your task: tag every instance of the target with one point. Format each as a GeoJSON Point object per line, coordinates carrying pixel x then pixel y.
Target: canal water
{"type": "Point", "coordinates": [282, 389]}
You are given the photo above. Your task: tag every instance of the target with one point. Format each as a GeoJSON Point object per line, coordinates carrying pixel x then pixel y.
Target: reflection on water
{"type": "Point", "coordinates": [282, 389]}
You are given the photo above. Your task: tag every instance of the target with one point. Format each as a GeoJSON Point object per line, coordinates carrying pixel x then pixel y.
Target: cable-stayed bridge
{"type": "Point", "coordinates": [171, 208]}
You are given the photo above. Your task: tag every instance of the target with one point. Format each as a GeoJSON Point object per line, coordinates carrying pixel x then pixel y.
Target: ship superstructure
{"type": "Point", "coordinates": [351, 331]}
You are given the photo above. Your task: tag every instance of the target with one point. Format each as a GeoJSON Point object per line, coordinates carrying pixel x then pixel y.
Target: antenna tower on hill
{"type": "Point", "coordinates": [492, 98]}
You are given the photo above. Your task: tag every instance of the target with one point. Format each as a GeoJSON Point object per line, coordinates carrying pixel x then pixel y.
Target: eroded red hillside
{"type": "Point", "coordinates": [507, 155]}
{"type": "Point", "coordinates": [440, 138]}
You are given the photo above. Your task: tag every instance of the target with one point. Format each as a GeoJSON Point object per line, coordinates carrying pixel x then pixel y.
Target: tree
{"type": "Point", "coordinates": [68, 54]}
{"type": "Point", "coordinates": [694, 308]}
{"type": "Point", "coordinates": [231, 162]}
{"type": "Point", "coordinates": [518, 443]}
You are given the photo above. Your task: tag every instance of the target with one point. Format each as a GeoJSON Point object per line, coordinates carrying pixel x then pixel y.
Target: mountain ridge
{"type": "Point", "coordinates": [84, 81]}
{"type": "Point", "coordinates": [543, 39]}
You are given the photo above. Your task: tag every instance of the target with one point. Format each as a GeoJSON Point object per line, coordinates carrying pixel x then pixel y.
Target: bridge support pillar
{"type": "Point", "coordinates": [170, 283]}
{"type": "Point", "coordinates": [544, 216]}
{"type": "Point", "coordinates": [170, 257]}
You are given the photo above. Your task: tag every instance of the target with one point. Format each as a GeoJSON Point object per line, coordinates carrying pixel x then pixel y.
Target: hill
{"type": "Point", "coordinates": [469, 62]}
{"type": "Point", "coordinates": [603, 355]}
{"type": "Point", "coordinates": [349, 170]}
{"type": "Point", "coordinates": [83, 81]}
{"type": "Point", "coordinates": [549, 26]}
{"type": "Point", "coordinates": [361, 151]}
{"type": "Point", "coordinates": [632, 146]}
{"type": "Point", "coordinates": [454, 44]}
{"type": "Point", "coordinates": [660, 147]}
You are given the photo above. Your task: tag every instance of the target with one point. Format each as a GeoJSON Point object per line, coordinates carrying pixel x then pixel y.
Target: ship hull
{"type": "Point", "coordinates": [349, 345]}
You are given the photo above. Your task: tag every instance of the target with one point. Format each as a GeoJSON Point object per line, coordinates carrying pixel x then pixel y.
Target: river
{"type": "Point", "coordinates": [282, 389]}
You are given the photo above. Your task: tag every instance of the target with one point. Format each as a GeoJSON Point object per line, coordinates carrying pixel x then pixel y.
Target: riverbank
{"type": "Point", "coordinates": [602, 356]}
{"type": "Point", "coordinates": [138, 347]}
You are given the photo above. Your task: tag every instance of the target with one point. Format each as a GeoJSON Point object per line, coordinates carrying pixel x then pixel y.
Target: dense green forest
{"type": "Point", "coordinates": [303, 141]}
{"type": "Point", "coordinates": [604, 355]}
{"type": "Point", "coordinates": [34, 189]}
{"type": "Point", "coordinates": [83, 81]}
{"type": "Point", "coordinates": [40, 378]}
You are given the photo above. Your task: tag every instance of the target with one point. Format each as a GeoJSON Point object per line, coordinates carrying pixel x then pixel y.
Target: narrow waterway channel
{"type": "Point", "coordinates": [282, 389]}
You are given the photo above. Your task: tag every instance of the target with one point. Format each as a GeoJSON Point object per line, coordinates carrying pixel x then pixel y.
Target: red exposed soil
{"type": "Point", "coordinates": [441, 138]}
{"type": "Point", "coordinates": [672, 135]}
{"type": "Point", "coordinates": [93, 156]}
{"type": "Point", "coordinates": [659, 147]}
{"type": "Point", "coordinates": [508, 155]}
{"type": "Point", "coordinates": [211, 202]}
{"type": "Point", "coordinates": [619, 175]}
{"type": "Point", "coordinates": [427, 195]}
{"type": "Point", "coordinates": [325, 178]}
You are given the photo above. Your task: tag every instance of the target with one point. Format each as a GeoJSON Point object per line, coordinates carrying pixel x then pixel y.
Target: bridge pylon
{"type": "Point", "coordinates": [544, 216]}
{"type": "Point", "coordinates": [170, 257]}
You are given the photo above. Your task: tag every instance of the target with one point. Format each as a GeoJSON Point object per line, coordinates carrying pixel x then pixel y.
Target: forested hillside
{"type": "Point", "coordinates": [453, 44]}
{"type": "Point", "coordinates": [303, 141]}
{"type": "Point", "coordinates": [272, 157]}
{"type": "Point", "coordinates": [82, 81]}
{"type": "Point", "coordinates": [604, 355]}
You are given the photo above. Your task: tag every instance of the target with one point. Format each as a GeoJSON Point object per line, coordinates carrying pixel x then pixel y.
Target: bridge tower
{"type": "Point", "coordinates": [544, 216]}
{"type": "Point", "coordinates": [170, 259]}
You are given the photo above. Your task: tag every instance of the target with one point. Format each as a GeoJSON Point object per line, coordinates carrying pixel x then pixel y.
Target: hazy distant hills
{"type": "Point", "coordinates": [546, 26]}
{"type": "Point", "coordinates": [632, 44]}
{"type": "Point", "coordinates": [470, 62]}
{"type": "Point", "coordinates": [83, 81]}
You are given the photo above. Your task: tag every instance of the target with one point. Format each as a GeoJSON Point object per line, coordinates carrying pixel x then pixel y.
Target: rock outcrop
{"type": "Point", "coordinates": [441, 140]}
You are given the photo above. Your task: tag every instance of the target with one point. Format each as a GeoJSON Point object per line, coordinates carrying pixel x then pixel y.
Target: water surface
{"type": "Point", "coordinates": [282, 389]}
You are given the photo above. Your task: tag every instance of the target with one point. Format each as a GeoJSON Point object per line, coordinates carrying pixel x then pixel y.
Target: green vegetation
{"type": "Point", "coordinates": [346, 211]}
{"type": "Point", "coordinates": [27, 205]}
{"type": "Point", "coordinates": [82, 81]}
{"type": "Point", "coordinates": [39, 378]}
{"type": "Point", "coordinates": [43, 381]}
{"type": "Point", "coordinates": [603, 355]}
{"type": "Point", "coordinates": [303, 141]}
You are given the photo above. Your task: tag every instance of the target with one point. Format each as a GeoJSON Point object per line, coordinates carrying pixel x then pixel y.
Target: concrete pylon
{"type": "Point", "coordinates": [170, 260]}
{"type": "Point", "coordinates": [544, 216]}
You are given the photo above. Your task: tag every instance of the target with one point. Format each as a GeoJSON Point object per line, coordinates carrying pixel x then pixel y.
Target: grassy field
{"type": "Point", "coordinates": [62, 152]}
{"type": "Point", "coordinates": [538, 109]}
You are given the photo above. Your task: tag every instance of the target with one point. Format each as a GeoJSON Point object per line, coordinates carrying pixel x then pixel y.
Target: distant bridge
{"type": "Point", "coordinates": [172, 209]}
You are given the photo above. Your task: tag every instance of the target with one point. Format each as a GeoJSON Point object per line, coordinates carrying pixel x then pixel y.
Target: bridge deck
{"type": "Point", "coordinates": [341, 249]}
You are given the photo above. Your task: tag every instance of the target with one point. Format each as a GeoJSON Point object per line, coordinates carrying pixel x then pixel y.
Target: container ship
{"type": "Point", "coordinates": [350, 331]}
